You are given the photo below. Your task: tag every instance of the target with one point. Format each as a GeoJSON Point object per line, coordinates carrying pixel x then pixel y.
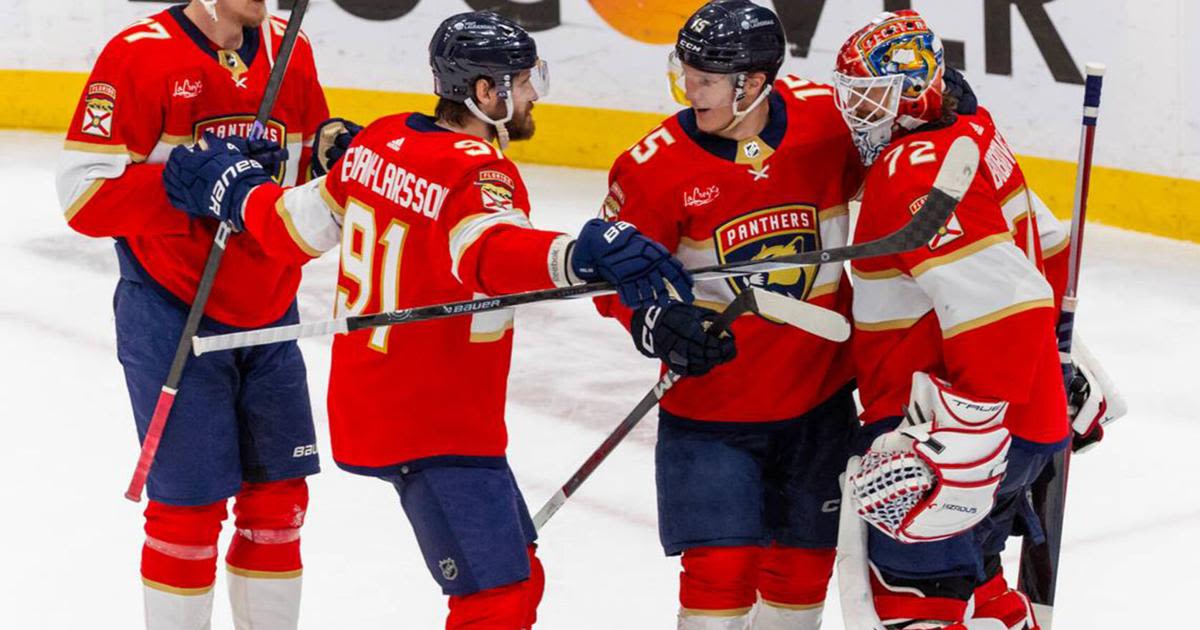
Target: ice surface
{"type": "Point", "coordinates": [68, 446]}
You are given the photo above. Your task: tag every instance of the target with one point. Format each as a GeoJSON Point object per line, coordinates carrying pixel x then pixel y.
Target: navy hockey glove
{"type": "Point", "coordinates": [957, 86]}
{"type": "Point", "coordinates": [268, 153]}
{"type": "Point", "coordinates": [678, 335]}
{"type": "Point", "coordinates": [637, 266]}
{"type": "Point", "coordinates": [330, 143]}
{"type": "Point", "coordinates": [213, 180]}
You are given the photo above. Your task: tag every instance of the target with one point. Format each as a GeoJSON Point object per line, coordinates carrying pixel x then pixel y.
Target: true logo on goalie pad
{"type": "Point", "coordinates": [770, 233]}
{"type": "Point", "coordinates": [100, 103]}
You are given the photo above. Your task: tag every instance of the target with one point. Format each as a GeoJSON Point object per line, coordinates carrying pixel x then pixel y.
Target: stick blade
{"type": "Point", "coordinates": [810, 318]}
{"type": "Point", "coordinates": [958, 169]}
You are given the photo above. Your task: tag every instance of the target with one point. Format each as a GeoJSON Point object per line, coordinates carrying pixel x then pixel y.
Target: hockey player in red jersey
{"type": "Point", "coordinates": [749, 454]}
{"type": "Point", "coordinates": [957, 364]}
{"type": "Point", "coordinates": [1092, 400]}
{"type": "Point", "coordinates": [241, 425]}
{"type": "Point", "coordinates": [430, 211]}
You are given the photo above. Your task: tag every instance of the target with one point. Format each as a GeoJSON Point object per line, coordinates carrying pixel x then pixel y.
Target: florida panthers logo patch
{"type": "Point", "coordinates": [99, 104]}
{"type": "Point", "coordinates": [771, 233]}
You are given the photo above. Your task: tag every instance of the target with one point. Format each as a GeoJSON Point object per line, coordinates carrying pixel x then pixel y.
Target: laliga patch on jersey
{"type": "Point", "coordinates": [771, 233]}
{"type": "Point", "coordinates": [100, 101]}
{"type": "Point", "coordinates": [495, 197]}
{"type": "Point", "coordinates": [947, 233]}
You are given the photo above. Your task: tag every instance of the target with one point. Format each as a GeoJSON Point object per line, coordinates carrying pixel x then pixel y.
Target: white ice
{"type": "Point", "coordinates": [67, 445]}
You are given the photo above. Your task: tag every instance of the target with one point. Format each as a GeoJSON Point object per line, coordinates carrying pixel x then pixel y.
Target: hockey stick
{"type": "Point", "coordinates": [1039, 563]}
{"type": "Point", "coordinates": [166, 398]}
{"type": "Point", "coordinates": [953, 179]}
{"type": "Point", "coordinates": [765, 303]}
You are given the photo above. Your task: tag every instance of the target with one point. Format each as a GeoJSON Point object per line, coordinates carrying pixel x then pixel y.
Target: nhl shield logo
{"type": "Point", "coordinates": [771, 233]}
{"type": "Point", "coordinates": [449, 569]}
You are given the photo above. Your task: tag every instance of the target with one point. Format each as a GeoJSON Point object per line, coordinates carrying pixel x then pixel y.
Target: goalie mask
{"type": "Point", "coordinates": [889, 78]}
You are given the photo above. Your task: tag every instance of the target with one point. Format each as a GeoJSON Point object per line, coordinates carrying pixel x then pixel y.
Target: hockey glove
{"type": "Point", "coordinates": [1093, 401]}
{"type": "Point", "coordinates": [678, 335]}
{"type": "Point", "coordinates": [268, 153]}
{"type": "Point", "coordinates": [212, 179]}
{"type": "Point", "coordinates": [637, 266]}
{"type": "Point", "coordinates": [330, 143]}
{"type": "Point", "coordinates": [937, 475]}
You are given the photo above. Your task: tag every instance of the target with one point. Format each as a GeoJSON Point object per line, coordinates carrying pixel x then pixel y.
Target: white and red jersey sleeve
{"type": "Point", "coordinates": [105, 185]}
{"type": "Point", "coordinates": [971, 306]}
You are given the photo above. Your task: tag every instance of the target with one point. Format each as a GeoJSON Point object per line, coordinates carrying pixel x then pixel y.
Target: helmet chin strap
{"type": "Point", "coordinates": [739, 94]}
{"type": "Point", "coordinates": [211, 7]}
{"type": "Point", "coordinates": [501, 130]}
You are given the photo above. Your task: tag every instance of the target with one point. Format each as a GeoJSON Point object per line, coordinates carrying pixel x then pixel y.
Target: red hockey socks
{"type": "Point", "coordinates": [792, 583]}
{"type": "Point", "coordinates": [179, 564]}
{"type": "Point", "coordinates": [264, 558]}
{"type": "Point", "coordinates": [508, 607]}
{"type": "Point", "coordinates": [718, 586]}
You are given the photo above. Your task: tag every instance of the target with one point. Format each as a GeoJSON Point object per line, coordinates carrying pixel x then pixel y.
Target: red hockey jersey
{"type": "Point", "coordinates": [712, 200]}
{"type": "Point", "coordinates": [161, 83]}
{"type": "Point", "coordinates": [428, 216]}
{"type": "Point", "coordinates": [1020, 203]}
{"type": "Point", "coordinates": [971, 306]}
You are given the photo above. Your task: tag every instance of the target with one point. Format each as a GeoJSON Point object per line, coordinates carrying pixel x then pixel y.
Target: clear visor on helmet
{"type": "Point", "coordinates": [679, 76]}
{"type": "Point", "coordinates": [539, 78]}
{"type": "Point", "coordinates": [868, 102]}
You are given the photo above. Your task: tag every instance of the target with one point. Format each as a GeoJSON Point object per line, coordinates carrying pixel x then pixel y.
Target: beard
{"type": "Point", "coordinates": [521, 127]}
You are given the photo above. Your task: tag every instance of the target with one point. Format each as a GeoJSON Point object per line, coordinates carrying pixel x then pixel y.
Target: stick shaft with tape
{"type": "Point", "coordinates": [1039, 563]}
{"type": "Point", "coordinates": [166, 398]}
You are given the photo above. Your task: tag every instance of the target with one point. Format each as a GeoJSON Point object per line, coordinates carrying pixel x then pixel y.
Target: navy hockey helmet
{"type": "Point", "coordinates": [468, 46]}
{"type": "Point", "coordinates": [732, 37]}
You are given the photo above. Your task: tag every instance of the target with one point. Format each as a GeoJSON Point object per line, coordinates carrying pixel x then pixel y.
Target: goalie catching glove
{"type": "Point", "coordinates": [936, 476]}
